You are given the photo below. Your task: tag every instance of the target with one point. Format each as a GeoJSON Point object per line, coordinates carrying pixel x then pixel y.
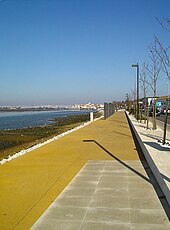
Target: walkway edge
{"type": "Point", "coordinates": [151, 163]}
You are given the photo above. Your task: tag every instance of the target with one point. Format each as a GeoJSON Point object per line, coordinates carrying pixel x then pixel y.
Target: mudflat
{"type": "Point", "coordinates": [29, 184]}
{"type": "Point", "coordinates": [13, 141]}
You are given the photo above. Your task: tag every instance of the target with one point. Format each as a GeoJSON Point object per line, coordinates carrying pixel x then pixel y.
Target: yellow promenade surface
{"type": "Point", "coordinates": [31, 182]}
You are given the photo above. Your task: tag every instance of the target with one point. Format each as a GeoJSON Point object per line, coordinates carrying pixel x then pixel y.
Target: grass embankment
{"type": "Point", "coordinates": [12, 141]}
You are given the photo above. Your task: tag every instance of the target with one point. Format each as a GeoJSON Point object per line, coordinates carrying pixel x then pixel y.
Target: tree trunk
{"type": "Point", "coordinates": [145, 107]}
{"type": "Point", "coordinates": [154, 107]}
{"type": "Point", "coordinates": [147, 114]}
{"type": "Point", "coordinates": [154, 114]}
{"type": "Point", "coordinates": [165, 122]}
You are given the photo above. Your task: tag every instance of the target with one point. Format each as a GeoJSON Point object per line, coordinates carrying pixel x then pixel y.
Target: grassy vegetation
{"type": "Point", "coordinates": [12, 141]}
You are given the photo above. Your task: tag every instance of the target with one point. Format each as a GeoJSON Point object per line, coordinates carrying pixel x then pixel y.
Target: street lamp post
{"type": "Point", "coordinates": [137, 66]}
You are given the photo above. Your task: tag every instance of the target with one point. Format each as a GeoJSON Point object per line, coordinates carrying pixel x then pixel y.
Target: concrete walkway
{"type": "Point", "coordinates": [106, 195]}
{"type": "Point", "coordinates": [106, 149]}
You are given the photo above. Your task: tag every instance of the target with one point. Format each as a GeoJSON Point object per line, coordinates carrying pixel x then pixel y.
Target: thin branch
{"type": "Point", "coordinates": [163, 56]}
{"type": "Point", "coordinates": [165, 22]}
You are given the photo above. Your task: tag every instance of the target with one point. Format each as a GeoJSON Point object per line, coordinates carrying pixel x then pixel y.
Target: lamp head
{"type": "Point", "coordinates": [135, 65]}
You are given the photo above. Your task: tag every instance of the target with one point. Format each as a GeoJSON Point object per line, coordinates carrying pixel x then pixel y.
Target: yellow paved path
{"type": "Point", "coordinates": [30, 183]}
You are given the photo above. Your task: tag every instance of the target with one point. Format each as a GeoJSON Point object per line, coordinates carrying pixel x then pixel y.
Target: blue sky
{"type": "Point", "coordinates": [75, 51]}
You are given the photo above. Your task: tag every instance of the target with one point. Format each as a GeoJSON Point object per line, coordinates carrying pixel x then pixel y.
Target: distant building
{"type": "Point", "coordinates": [88, 106]}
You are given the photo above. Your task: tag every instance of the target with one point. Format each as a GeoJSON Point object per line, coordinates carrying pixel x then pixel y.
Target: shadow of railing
{"type": "Point", "coordinates": [151, 179]}
{"type": "Point", "coordinates": [120, 161]}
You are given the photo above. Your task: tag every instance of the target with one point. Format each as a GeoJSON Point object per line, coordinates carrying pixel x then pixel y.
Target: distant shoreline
{"type": "Point", "coordinates": [32, 110]}
{"type": "Point", "coordinates": [44, 109]}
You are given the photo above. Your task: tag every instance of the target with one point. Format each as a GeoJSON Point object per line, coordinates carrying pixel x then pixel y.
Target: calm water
{"type": "Point", "coordinates": [14, 120]}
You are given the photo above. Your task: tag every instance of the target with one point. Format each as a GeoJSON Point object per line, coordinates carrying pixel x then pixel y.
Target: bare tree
{"type": "Point", "coordinates": [144, 86]}
{"type": "Point", "coordinates": [153, 72]}
{"type": "Point", "coordinates": [164, 57]}
{"type": "Point", "coordinates": [163, 53]}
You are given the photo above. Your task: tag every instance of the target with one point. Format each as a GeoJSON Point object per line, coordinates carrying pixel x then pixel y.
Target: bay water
{"type": "Point", "coordinates": [14, 120]}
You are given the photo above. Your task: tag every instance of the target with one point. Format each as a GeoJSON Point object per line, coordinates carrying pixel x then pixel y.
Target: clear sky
{"type": "Point", "coordinates": [75, 51]}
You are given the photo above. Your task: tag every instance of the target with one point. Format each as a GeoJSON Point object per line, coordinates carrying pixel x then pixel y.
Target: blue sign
{"type": "Point", "coordinates": [158, 103]}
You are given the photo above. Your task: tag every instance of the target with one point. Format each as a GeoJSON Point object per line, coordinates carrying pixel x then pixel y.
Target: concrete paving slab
{"type": "Point", "coordinates": [146, 203]}
{"type": "Point", "coordinates": [132, 204]}
{"type": "Point", "coordinates": [58, 225]}
{"type": "Point", "coordinates": [103, 226]}
{"type": "Point", "coordinates": [78, 201]}
{"type": "Point", "coordinates": [120, 192]}
{"type": "Point", "coordinates": [79, 192]}
{"type": "Point", "coordinates": [114, 178]}
{"type": "Point", "coordinates": [81, 178]}
{"type": "Point", "coordinates": [150, 227]}
{"type": "Point", "coordinates": [109, 202]}
{"type": "Point", "coordinates": [107, 184]}
{"type": "Point", "coordinates": [134, 192]}
{"type": "Point", "coordinates": [148, 216]}
{"type": "Point", "coordinates": [65, 213]}
{"type": "Point", "coordinates": [84, 184]}
{"type": "Point", "coordinates": [117, 216]}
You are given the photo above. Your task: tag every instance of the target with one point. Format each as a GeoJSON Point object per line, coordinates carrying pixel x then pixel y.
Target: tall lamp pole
{"type": "Point", "coordinates": [137, 67]}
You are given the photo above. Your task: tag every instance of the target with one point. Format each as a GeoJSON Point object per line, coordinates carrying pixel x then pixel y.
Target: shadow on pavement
{"type": "Point", "coordinates": [165, 177]}
{"type": "Point", "coordinates": [123, 134]}
{"type": "Point", "coordinates": [155, 137]}
{"type": "Point", "coordinates": [118, 121]}
{"type": "Point", "coordinates": [120, 161]}
{"type": "Point", "coordinates": [151, 179]}
{"type": "Point", "coordinates": [156, 146]}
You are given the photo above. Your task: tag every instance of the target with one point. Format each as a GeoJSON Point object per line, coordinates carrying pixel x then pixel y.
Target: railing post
{"type": "Point", "coordinates": [91, 116]}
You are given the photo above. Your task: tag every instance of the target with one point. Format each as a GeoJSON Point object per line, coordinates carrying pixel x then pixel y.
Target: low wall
{"type": "Point", "coordinates": [151, 163]}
